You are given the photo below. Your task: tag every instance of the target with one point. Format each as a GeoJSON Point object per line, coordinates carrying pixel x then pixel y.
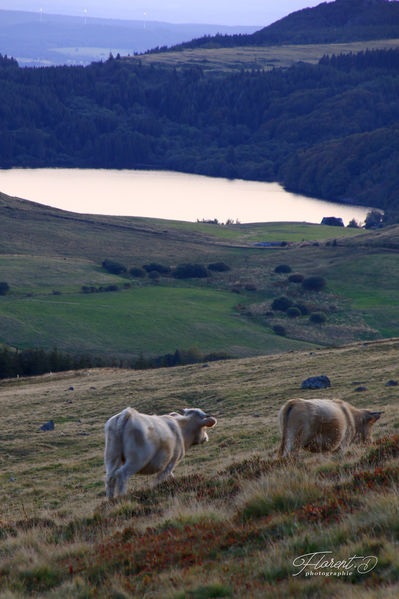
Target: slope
{"type": "Point", "coordinates": [234, 519]}
{"type": "Point", "coordinates": [329, 22]}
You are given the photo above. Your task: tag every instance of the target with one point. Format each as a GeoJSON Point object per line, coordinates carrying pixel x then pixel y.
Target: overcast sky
{"type": "Point", "coordinates": [223, 12]}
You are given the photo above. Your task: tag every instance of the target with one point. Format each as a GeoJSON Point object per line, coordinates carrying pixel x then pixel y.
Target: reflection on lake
{"type": "Point", "coordinates": [169, 195]}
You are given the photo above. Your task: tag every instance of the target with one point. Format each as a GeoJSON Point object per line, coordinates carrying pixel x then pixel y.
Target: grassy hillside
{"type": "Point", "coordinates": [329, 22]}
{"type": "Point", "coordinates": [257, 57]}
{"type": "Point", "coordinates": [235, 517]}
{"type": "Point", "coordinates": [47, 255]}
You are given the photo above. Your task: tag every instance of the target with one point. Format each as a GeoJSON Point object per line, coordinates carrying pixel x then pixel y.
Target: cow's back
{"type": "Point", "coordinates": [152, 441]}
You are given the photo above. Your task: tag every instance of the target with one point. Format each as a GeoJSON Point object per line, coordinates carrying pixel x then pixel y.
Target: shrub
{"type": "Point", "coordinates": [296, 278]}
{"type": "Point", "coordinates": [281, 303]}
{"type": "Point", "coordinates": [154, 267]}
{"type": "Point", "coordinates": [353, 224]}
{"type": "Point", "coordinates": [314, 283]}
{"type": "Point", "coordinates": [373, 220]}
{"type": "Point", "coordinates": [279, 330]}
{"type": "Point", "coordinates": [332, 221]}
{"type": "Point", "coordinates": [318, 318]}
{"type": "Point", "coordinates": [137, 272]}
{"type": "Point", "coordinates": [111, 288]}
{"type": "Point", "coordinates": [154, 275]}
{"type": "Point", "coordinates": [188, 271]}
{"type": "Point", "coordinates": [218, 267]}
{"type": "Point", "coordinates": [303, 308]}
{"type": "Point", "coordinates": [113, 267]}
{"type": "Point", "coordinates": [293, 312]}
{"type": "Point", "coordinates": [282, 268]}
{"type": "Point", "coordinates": [250, 287]}
{"type": "Point", "coordinates": [4, 288]}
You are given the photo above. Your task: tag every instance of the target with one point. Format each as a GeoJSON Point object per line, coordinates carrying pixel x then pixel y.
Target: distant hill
{"type": "Point", "coordinates": [329, 22]}
{"type": "Point", "coordinates": [45, 39]}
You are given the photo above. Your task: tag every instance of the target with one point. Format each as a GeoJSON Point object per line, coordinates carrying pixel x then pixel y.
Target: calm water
{"type": "Point", "coordinates": [168, 195]}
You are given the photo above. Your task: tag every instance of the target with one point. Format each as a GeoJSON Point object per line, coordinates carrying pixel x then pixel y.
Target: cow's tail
{"type": "Point", "coordinates": [283, 417]}
{"type": "Point", "coordinates": [113, 454]}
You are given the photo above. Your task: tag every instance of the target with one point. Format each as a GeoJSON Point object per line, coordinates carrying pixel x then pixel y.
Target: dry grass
{"type": "Point", "coordinates": [263, 57]}
{"type": "Point", "coordinates": [234, 518]}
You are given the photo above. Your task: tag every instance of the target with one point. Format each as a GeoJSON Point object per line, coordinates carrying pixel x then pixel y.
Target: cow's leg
{"type": "Point", "coordinates": [166, 473]}
{"type": "Point", "coordinates": [123, 473]}
{"type": "Point", "coordinates": [111, 468]}
{"type": "Point", "coordinates": [293, 442]}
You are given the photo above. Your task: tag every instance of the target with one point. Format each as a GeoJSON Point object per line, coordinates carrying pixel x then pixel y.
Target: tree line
{"type": "Point", "coordinates": [33, 362]}
{"type": "Point", "coordinates": [329, 130]}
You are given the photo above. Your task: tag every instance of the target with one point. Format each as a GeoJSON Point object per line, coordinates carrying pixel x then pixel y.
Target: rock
{"type": "Point", "coordinates": [71, 388]}
{"type": "Point", "coordinates": [316, 382]}
{"type": "Point", "coordinates": [391, 383]}
{"type": "Point", "coordinates": [360, 389]}
{"type": "Point", "coordinates": [48, 426]}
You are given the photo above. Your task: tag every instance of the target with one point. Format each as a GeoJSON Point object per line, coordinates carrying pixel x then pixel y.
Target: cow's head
{"type": "Point", "coordinates": [369, 418]}
{"type": "Point", "coordinates": [196, 423]}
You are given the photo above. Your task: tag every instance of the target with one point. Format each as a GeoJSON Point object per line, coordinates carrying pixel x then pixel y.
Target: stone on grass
{"type": "Point", "coordinates": [316, 382]}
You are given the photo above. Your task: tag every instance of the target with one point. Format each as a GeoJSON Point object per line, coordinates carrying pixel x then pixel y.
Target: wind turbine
{"type": "Point", "coordinates": [85, 17]}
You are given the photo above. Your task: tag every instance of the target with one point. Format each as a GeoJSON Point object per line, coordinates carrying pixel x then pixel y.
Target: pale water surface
{"type": "Point", "coordinates": [169, 195]}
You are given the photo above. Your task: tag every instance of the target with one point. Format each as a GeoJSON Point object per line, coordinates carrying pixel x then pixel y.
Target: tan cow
{"type": "Point", "coordinates": [138, 443]}
{"type": "Point", "coordinates": [323, 425]}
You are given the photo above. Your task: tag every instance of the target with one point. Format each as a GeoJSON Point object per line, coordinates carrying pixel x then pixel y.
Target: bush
{"type": "Point", "coordinates": [296, 278]}
{"type": "Point", "coordinates": [282, 268]}
{"type": "Point", "coordinates": [113, 267]}
{"type": "Point", "coordinates": [188, 271]}
{"type": "Point", "coordinates": [314, 283]}
{"type": "Point", "coordinates": [318, 318]}
{"type": "Point", "coordinates": [160, 268]}
{"type": "Point", "coordinates": [373, 220]}
{"type": "Point", "coordinates": [218, 267]}
{"type": "Point", "coordinates": [154, 275]}
{"type": "Point", "coordinates": [353, 224]}
{"type": "Point", "coordinates": [137, 272]}
{"type": "Point", "coordinates": [332, 221]}
{"type": "Point", "coordinates": [279, 330]}
{"type": "Point", "coordinates": [303, 308]}
{"type": "Point", "coordinates": [281, 303]}
{"type": "Point", "coordinates": [293, 312]}
{"type": "Point", "coordinates": [4, 288]}
{"type": "Point", "coordinates": [250, 287]}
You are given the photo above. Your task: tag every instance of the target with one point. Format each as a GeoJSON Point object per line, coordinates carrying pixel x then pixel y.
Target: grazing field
{"type": "Point", "coordinates": [47, 256]}
{"type": "Point", "coordinates": [258, 57]}
{"type": "Point", "coordinates": [153, 319]}
{"type": "Point", "coordinates": [234, 519]}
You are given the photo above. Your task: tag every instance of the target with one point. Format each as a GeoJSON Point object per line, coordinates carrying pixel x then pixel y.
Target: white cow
{"type": "Point", "coordinates": [323, 425]}
{"type": "Point", "coordinates": [138, 443]}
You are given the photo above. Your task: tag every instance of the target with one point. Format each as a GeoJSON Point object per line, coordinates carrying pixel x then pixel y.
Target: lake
{"type": "Point", "coordinates": [168, 195]}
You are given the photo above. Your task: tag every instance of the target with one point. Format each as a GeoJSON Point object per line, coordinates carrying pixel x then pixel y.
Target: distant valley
{"type": "Point", "coordinates": [40, 39]}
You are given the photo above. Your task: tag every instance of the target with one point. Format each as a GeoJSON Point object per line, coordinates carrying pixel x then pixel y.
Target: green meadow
{"type": "Point", "coordinates": [153, 320]}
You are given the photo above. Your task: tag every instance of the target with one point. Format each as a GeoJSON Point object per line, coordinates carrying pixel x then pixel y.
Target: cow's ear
{"type": "Point", "coordinates": [373, 416]}
{"type": "Point", "coordinates": [210, 421]}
